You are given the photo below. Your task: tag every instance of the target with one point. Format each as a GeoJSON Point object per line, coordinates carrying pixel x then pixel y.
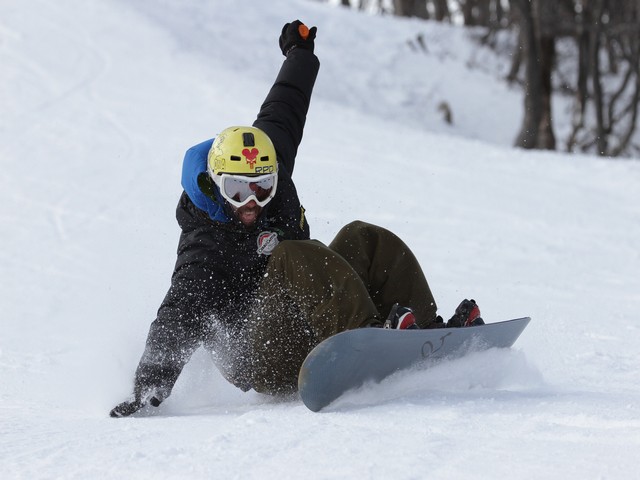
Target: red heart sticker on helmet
{"type": "Point", "coordinates": [250, 155]}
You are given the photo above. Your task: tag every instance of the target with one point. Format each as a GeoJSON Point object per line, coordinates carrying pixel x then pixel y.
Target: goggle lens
{"type": "Point", "coordinates": [239, 190]}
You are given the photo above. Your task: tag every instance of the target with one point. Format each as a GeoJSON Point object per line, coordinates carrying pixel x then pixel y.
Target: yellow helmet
{"type": "Point", "coordinates": [242, 151]}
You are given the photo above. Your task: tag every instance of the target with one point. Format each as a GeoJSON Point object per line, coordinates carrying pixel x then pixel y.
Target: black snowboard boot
{"type": "Point", "coordinates": [467, 315]}
{"type": "Point", "coordinates": [401, 318]}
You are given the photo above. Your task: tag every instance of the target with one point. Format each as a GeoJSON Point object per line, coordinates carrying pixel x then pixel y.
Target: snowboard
{"type": "Point", "coordinates": [349, 359]}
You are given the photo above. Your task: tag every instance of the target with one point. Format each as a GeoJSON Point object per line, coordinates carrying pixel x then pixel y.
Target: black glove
{"type": "Point", "coordinates": [296, 35]}
{"type": "Point", "coordinates": [129, 407]}
{"type": "Point", "coordinates": [126, 408]}
{"type": "Point", "coordinates": [148, 390]}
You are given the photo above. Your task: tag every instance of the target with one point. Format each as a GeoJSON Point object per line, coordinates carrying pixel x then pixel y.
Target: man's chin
{"type": "Point", "coordinates": [248, 216]}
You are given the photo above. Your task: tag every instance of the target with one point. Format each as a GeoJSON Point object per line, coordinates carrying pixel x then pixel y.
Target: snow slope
{"type": "Point", "coordinates": [100, 100]}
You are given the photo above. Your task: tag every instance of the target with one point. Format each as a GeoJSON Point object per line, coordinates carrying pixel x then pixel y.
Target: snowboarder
{"type": "Point", "coordinates": [249, 284]}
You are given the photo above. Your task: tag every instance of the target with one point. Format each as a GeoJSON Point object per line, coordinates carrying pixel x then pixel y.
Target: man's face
{"type": "Point", "coordinates": [247, 195]}
{"type": "Point", "coordinates": [248, 214]}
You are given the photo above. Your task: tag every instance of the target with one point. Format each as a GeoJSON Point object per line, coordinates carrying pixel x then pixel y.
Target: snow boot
{"type": "Point", "coordinates": [467, 315]}
{"type": "Point", "coordinates": [401, 318]}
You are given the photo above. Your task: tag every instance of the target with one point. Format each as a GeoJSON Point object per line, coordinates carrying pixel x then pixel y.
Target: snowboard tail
{"type": "Point", "coordinates": [349, 359]}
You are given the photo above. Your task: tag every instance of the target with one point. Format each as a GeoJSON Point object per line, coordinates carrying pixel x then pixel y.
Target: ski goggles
{"type": "Point", "coordinates": [239, 190]}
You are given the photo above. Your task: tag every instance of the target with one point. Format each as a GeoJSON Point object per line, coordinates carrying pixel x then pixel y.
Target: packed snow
{"type": "Point", "coordinates": [99, 102]}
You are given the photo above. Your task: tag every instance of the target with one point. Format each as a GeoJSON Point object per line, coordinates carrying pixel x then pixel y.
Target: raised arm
{"type": "Point", "coordinates": [283, 114]}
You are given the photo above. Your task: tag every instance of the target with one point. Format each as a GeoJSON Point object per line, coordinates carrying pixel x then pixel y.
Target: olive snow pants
{"type": "Point", "coordinates": [311, 292]}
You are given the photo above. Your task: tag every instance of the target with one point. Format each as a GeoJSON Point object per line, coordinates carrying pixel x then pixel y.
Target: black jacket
{"type": "Point", "coordinates": [220, 262]}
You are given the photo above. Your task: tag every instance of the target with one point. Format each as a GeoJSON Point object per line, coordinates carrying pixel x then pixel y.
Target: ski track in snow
{"type": "Point", "coordinates": [100, 101]}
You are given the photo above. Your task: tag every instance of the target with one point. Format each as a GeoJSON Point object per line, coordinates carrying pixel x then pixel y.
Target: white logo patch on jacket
{"type": "Point", "coordinates": [267, 241]}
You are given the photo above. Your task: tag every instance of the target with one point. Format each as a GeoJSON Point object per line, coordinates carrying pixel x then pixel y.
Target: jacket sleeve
{"type": "Point", "coordinates": [165, 355]}
{"type": "Point", "coordinates": [173, 337]}
{"type": "Point", "coordinates": [284, 111]}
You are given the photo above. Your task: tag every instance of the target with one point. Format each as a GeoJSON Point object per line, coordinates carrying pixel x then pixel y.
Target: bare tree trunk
{"type": "Point", "coordinates": [632, 56]}
{"type": "Point", "coordinates": [546, 139]}
{"type": "Point", "coordinates": [539, 50]}
{"type": "Point", "coordinates": [516, 58]}
{"type": "Point", "coordinates": [411, 8]}
{"type": "Point", "coordinates": [467, 12]}
{"type": "Point", "coordinates": [419, 9]}
{"type": "Point", "coordinates": [598, 96]}
{"type": "Point", "coordinates": [400, 8]}
{"type": "Point", "coordinates": [499, 12]}
{"type": "Point", "coordinates": [582, 90]}
{"type": "Point", "coordinates": [483, 12]}
{"type": "Point", "coordinates": [631, 110]}
{"type": "Point", "coordinates": [441, 10]}
{"type": "Point", "coordinates": [527, 138]}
